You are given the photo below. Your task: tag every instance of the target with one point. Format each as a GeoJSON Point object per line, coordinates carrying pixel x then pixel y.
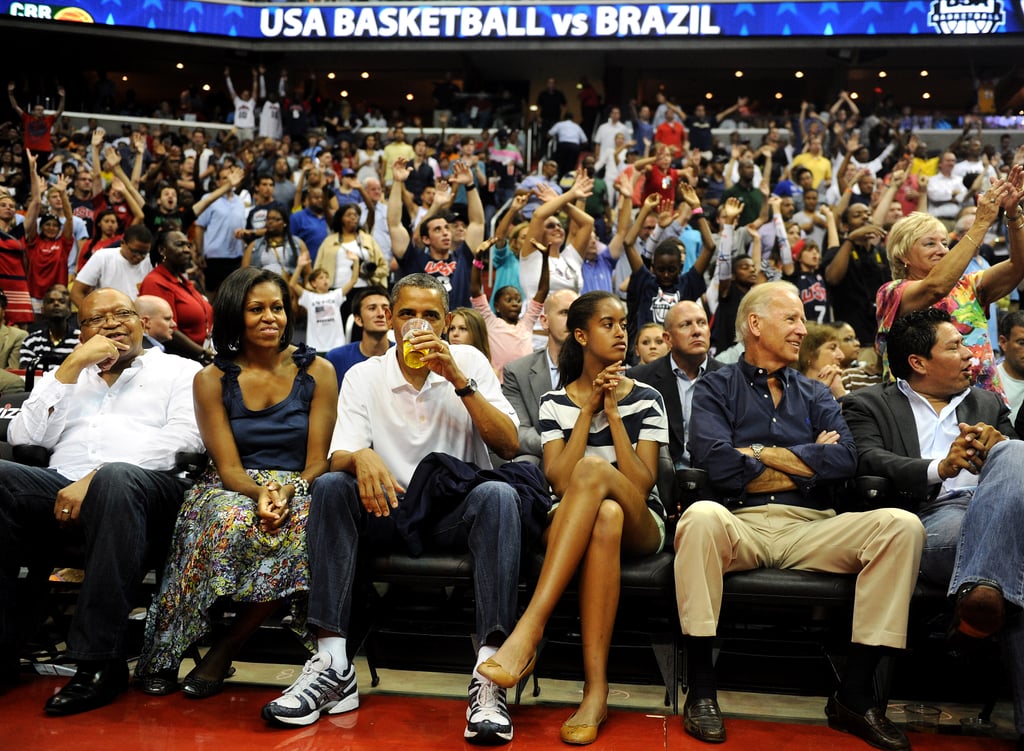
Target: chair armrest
{"type": "Point", "coordinates": [691, 479]}
{"type": "Point", "coordinates": [31, 455]}
{"type": "Point", "coordinates": [865, 492]}
{"type": "Point", "coordinates": [687, 487]}
{"type": "Point", "coordinates": [191, 463]}
{"type": "Point", "coordinates": [872, 489]}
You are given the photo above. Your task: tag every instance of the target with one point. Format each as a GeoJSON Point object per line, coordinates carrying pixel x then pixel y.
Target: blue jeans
{"type": "Point", "coordinates": [991, 547]}
{"type": "Point", "coordinates": [486, 522]}
{"type": "Point", "coordinates": [942, 522]}
{"type": "Point", "coordinates": [127, 515]}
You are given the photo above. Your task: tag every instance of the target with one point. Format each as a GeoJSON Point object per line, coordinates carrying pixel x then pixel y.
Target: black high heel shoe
{"type": "Point", "coordinates": [165, 682]}
{"type": "Point", "coordinates": [160, 683]}
{"type": "Point", "coordinates": [195, 687]}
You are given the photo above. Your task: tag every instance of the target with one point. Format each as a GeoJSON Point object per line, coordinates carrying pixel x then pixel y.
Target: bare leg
{"type": "Point", "coordinates": [599, 601]}
{"type": "Point", "coordinates": [249, 617]}
{"type": "Point", "coordinates": [593, 482]}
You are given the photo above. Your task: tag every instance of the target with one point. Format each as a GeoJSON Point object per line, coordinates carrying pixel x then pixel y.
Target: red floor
{"type": "Point", "coordinates": [231, 721]}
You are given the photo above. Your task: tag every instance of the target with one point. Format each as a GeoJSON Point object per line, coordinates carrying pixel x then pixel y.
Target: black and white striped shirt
{"type": "Point", "coordinates": [643, 415]}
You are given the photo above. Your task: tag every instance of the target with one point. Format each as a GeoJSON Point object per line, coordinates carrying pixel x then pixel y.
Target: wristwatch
{"type": "Point", "coordinates": [757, 448]}
{"type": "Point", "coordinates": [468, 390]}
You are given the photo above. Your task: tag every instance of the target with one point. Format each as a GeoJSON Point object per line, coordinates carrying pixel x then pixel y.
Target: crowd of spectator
{"type": "Point", "coordinates": [639, 246]}
{"type": "Point", "coordinates": [647, 202]}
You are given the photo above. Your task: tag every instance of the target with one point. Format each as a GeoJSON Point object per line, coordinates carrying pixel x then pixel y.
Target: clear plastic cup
{"type": "Point", "coordinates": [413, 357]}
{"type": "Point", "coordinates": [922, 718]}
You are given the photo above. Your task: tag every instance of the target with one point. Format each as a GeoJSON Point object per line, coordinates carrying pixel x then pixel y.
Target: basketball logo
{"type": "Point", "coordinates": [966, 16]}
{"type": "Point", "coordinates": [73, 14]}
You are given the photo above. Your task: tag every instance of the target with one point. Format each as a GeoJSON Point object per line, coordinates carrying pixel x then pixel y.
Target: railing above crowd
{"type": "Point", "coordinates": [936, 138]}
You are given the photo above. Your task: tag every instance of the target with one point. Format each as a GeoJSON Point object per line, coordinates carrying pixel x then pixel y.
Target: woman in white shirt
{"type": "Point", "coordinates": [369, 159]}
{"type": "Point", "coordinates": [333, 254]}
{"type": "Point", "coordinates": [564, 260]}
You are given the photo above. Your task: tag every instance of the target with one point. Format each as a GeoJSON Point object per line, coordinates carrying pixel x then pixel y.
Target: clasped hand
{"type": "Point", "coordinates": [272, 507]}
{"type": "Point", "coordinates": [603, 394]}
{"type": "Point", "coordinates": [970, 450]}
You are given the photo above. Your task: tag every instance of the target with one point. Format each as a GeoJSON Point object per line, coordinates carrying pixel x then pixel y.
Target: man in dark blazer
{"type": "Point", "coordinates": [687, 334]}
{"type": "Point", "coordinates": [943, 444]}
{"type": "Point", "coordinates": [528, 378]}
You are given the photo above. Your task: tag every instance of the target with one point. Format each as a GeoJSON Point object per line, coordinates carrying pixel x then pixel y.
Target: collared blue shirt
{"type": "Point", "coordinates": [597, 274]}
{"type": "Point", "coordinates": [552, 369]}
{"type": "Point", "coordinates": [733, 407]}
{"type": "Point", "coordinates": [685, 386]}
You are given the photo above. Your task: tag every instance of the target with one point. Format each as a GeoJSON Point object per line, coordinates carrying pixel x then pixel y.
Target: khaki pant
{"type": "Point", "coordinates": [882, 546]}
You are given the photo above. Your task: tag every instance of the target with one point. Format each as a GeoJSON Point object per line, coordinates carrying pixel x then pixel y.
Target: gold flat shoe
{"type": "Point", "coordinates": [580, 735]}
{"type": "Point", "coordinates": [495, 673]}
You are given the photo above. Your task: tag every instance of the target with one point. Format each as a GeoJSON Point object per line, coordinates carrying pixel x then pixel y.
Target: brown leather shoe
{"type": "Point", "coordinates": [980, 609]}
{"type": "Point", "coordinates": [703, 720]}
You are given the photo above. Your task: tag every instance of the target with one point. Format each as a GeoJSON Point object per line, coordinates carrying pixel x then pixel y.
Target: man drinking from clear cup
{"type": "Point", "coordinates": [394, 411]}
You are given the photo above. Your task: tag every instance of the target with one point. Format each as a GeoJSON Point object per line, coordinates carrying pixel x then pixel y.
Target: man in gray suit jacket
{"type": "Point", "coordinates": [687, 334]}
{"type": "Point", "coordinates": [943, 444]}
{"type": "Point", "coordinates": [527, 379]}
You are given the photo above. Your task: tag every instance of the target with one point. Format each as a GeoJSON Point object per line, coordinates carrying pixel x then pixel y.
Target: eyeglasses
{"type": "Point", "coordinates": [553, 225]}
{"type": "Point", "coordinates": [118, 316]}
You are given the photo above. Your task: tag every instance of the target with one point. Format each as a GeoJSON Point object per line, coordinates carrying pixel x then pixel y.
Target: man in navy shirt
{"type": "Point", "coordinates": [450, 266]}
{"type": "Point", "coordinates": [311, 223]}
{"type": "Point", "coordinates": [652, 293]}
{"type": "Point", "coordinates": [370, 312]}
{"type": "Point", "coordinates": [771, 441]}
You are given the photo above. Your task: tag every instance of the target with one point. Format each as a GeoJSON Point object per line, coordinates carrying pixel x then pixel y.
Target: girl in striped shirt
{"type": "Point", "coordinates": [601, 433]}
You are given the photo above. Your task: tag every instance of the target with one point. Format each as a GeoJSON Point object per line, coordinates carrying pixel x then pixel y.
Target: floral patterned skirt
{"type": "Point", "coordinates": [219, 551]}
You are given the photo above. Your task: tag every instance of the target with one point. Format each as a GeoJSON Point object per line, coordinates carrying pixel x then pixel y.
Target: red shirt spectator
{"type": "Point", "coordinates": [48, 258]}
{"type": "Point", "coordinates": [192, 311]}
{"type": "Point", "coordinates": [662, 178]}
{"type": "Point", "coordinates": [36, 125]}
{"type": "Point", "coordinates": [672, 134]}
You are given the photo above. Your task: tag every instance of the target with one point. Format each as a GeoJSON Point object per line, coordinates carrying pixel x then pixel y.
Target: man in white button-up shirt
{"type": "Point", "coordinates": [113, 415]}
{"type": "Point", "coordinates": [393, 415]}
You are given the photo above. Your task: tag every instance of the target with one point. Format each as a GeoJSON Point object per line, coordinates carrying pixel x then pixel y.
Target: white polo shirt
{"type": "Point", "coordinates": [379, 409]}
